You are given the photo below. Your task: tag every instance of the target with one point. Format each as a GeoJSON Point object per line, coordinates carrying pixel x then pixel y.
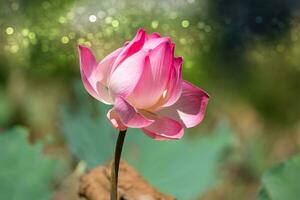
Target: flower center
{"type": "Point", "coordinates": [159, 103]}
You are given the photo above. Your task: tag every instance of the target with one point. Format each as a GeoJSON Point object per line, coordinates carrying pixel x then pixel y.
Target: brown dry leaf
{"type": "Point", "coordinates": [95, 185]}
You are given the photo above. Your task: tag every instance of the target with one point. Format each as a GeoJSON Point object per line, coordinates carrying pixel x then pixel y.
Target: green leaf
{"type": "Point", "coordinates": [282, 181]}
{"type": "Point", "coordinates": [89, 139]}
{"type": "Point", "coordinates": [25, 173]}
{"type": "Point", "coordinates": [185, 168]}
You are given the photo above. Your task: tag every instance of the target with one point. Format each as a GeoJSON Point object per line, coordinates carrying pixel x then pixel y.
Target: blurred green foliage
{"type": "Point", "coordinates": [282, 181]}
{"type": "Point", "coordinates": [25, 172]}
{"type": "Point", "coordinates": [231, 46]}
{"type": "Point", "coordinates": [6, 109]}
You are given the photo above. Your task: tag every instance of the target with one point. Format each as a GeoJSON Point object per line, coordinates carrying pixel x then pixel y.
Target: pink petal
{"type": "Point", "coordinates": [154, 78]}
{"type": "Point", "coordinates": [103, 94]}
{"type": "Point", "coordinates": [105, 66]}
{"type": "Point", "coordinates": [129, 116]}
{"type": "Point", "coordinates": [88, 65]}
{"type": "Point", "coordinates": [130, 48]}
{"type": "Point", "coordinates": [152, 36]}
{"type": "Point", "coordinates": [172, 46]}
{"type": "Point", "coordinates": [88, 68]}
{"type": "Point", "coordinates": [125, 78]}
{"type": "Point", "coordinates": [175, 83]}
{"type": "Point", "coordinates": [164, 128]}
{"type": "Point", "coordinates": [154, 41]}
{"type": "Point", "coordinates": [87, 61]}
{"type": "Point", "coordinates": [88, 87]}
{"type": "Point", "coordinates": [114, 119]}
{"type": "Point", "coordinates": [190, 108]}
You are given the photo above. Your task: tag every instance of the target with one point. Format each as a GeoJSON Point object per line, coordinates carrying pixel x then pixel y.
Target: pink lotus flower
{"type": "Point", "coordinates": [143, 82]}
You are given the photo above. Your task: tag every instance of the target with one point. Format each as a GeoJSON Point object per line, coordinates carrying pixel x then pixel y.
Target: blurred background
{"type": "Point", "coordinates": [245, 54]}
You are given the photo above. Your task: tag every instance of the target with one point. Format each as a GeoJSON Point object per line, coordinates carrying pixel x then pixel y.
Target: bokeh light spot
{"type": "Point", "coordinates": [81, 40]}
{"type": "Point", "coordinates": [154, 24]}
{"type": "Point", "coordinates": [31, 35]}
{"type": "Point", "coordinates": [185, 23]}
{"type": "Point", "coordinates": [108, 20]}
{"type": "Point", "coordinates": [92, 18]}
{"type": "Point", "coordinates": [65, 40]}
{"type": "Point", "coordinates": [9, 30]}
{"type": "Point", "coordinates": [62, 20]}
{"type": "Point", "coordinates": [115, 23]}
{"type": "Point", "coordinates": [14, 48]}
{"type": "Point", "coordinates": [183, 41]}
{"type": "Point", "coordinates": [25, 32]}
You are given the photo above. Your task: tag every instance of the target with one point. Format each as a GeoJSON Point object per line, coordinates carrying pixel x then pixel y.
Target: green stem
{"type": "Point", "coordinates": [115, 166]}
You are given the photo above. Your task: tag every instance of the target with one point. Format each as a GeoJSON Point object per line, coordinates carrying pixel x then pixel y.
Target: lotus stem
{"type": "Point", "coordinates": [115, 165]}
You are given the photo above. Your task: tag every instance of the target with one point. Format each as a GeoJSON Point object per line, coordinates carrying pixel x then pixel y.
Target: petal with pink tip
{"type": "Point", "coordinates": [154, 79]}
{"type": "Point", "coordinates": [125, 78]}
{"type": "Point", "coordinates": [152, 36]}
{"type": "Point", "coordinates": [190, 108]}
{"type": "Point", "coordinates": [164, 128]}
{"type": "Point", "coordinates": [88, 65]}
{"type": "Point", "coordinates": [175, 83]}
{"type": "Point", "coordinates": [87, 69]}
{"type": "Point", "coordinates": [154, 41]}
{"type": "Point", "coordinates": [131, 48]}
{"type": "Point", "coordinates": [128, 114]}
{"type": "Point", "coordinates": [87, 61]}
{"type": "Point", "coordinates": [114, 119]}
